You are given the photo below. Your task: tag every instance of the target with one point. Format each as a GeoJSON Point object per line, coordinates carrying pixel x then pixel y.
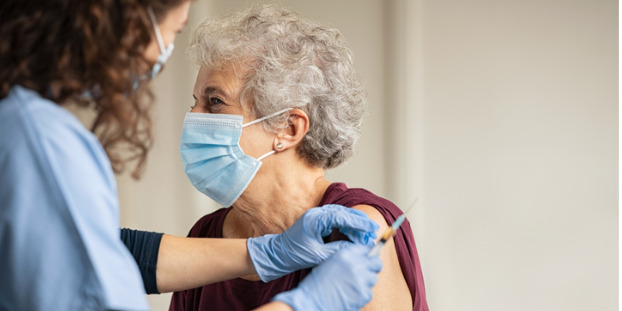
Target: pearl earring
{"type": "Point", "coordinates": [279, 146]}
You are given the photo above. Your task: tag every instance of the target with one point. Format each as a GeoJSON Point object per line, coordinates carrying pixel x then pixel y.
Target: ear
{"type": "Point", "coordinates": [290, 136]}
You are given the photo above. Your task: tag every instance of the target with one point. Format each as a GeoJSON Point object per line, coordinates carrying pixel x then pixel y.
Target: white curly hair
{"type": "Point", "coordinates": [290, 62]}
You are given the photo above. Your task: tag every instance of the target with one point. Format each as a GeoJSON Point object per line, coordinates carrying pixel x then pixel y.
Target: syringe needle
{"type": "Point", "coordinates": [386, 235]}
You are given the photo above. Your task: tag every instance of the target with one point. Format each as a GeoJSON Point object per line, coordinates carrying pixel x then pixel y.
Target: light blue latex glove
{"type": "Point", "coordinates": [301, 246]}
{"type": "Point", "coordinates": [343, 282]}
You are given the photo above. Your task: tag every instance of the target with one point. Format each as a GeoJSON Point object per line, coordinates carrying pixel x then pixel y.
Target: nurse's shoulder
{"type": "Point", "coordinates": [27, 111]}
{"type": "Point", "coordinates": [36, 125]}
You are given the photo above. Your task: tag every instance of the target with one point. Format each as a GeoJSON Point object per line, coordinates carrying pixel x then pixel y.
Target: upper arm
{"type": "Point", "coordinates": [391, 292]}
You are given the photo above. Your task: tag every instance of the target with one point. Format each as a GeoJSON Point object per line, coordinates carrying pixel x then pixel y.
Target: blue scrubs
{"type": "Point", "coordinates": [59, 214]}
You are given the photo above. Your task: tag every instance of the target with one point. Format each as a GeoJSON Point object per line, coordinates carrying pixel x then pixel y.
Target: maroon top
{"type": "Point", "coordinates": [243, 295]}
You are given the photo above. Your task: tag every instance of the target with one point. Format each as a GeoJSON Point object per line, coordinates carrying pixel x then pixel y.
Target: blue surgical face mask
{"type": "Point", "coordinates": [165, 52]}
{"type": "Point", "coordinates": [212, 157]}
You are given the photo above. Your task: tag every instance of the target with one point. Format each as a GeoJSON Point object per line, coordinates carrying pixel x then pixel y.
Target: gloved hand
{"type": "Point", "coordinates": [301, 246]}
{"type": "Point", "coordinates": [343, 282]}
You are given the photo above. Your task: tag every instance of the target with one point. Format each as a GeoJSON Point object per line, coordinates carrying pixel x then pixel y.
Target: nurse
{"type": "Point", "coordinates": [59, 208]}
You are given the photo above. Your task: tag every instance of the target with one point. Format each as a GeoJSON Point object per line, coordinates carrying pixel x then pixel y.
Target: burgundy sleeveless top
{"type": "Point", "coordinates": [243, 295]}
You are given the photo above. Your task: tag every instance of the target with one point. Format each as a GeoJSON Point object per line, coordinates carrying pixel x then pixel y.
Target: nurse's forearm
{"type": "Point", "coordinates": [186, 263]}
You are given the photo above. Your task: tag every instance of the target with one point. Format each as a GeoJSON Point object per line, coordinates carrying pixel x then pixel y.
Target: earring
{"type": "Point", "coordinates": [279, 146]}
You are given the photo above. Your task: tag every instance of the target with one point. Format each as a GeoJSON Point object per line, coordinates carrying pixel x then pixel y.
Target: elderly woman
{"type": "Point", "coordinates": [277, 102]}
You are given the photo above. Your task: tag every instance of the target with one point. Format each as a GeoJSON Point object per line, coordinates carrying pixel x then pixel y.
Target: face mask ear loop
{"type": "Point", "coordinates": [266, 117]}
{"type": "Point", "coordinates": [156, 29]}
{"type": "Point", "coordinates": [265, 155]}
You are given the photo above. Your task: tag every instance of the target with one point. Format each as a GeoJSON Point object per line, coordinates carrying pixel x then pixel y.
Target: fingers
{"type": "Point", "coordinates": [333, 247]}
{"type": "Point", "coordinates": [361, 255]}
{"type": "Point", "coordinates": [360, 237]}
{"type": "Point", "coordinates": [354, 223]}
{"type": "Point", "coordinates": [365, 267]}
{"type": "Point", "coordinates": [347, 278]}
{"type": "Point", "coordinates": [375, 264]}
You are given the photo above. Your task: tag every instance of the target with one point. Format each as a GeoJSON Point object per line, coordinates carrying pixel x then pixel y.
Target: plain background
{"type": "Point", "coordinates": [499, 117]}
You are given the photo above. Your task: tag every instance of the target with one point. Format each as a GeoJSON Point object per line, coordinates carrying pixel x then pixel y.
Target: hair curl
{"type": "Point", "coordinates": [86, 46]}
{"type": "Point", "coordinates": [290, 62]}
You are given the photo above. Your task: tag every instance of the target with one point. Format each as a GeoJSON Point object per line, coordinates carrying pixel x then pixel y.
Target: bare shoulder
{"type": "Point", "coordinates": [373, 214]}
{"type": "Point", "coordinates": [391, 292]}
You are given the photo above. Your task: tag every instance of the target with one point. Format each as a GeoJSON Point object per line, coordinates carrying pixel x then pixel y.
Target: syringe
{"type": "Point", "coordinates": [386, 235]}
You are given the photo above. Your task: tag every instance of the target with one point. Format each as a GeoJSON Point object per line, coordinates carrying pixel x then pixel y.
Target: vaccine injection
{"type": "Point", "coordinates": [387, 235]}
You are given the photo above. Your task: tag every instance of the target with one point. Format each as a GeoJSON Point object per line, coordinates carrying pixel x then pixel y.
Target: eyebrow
{"type": "Point", "coordinates": [214, 89]}
{"type": "Point", "coordinates": [209, 90]}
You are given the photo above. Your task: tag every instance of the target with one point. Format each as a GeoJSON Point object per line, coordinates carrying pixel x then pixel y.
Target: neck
{"type": "Point", "coordinates": [274, 200]}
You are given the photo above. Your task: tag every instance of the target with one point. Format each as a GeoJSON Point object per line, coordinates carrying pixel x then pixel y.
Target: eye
{"type": "Point", "coordinates": [214, 104]}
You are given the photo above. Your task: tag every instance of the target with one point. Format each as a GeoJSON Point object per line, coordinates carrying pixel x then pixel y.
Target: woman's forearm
{"type": "Point", "coordinates": [185, 263]}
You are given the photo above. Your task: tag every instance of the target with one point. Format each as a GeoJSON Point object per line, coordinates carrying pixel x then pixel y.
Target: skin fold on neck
{"type": "Point", "coordinates": [274, 200]}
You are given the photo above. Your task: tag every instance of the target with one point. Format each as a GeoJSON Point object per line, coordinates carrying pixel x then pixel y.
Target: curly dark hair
{"type": "Point", "coordinates": [73, 46]}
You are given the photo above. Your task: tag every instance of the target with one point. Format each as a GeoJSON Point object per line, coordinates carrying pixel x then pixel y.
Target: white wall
{"type": "Point", "coordinates": [500, 116]}
{"type": "Point", "coordinates": [520, 153]}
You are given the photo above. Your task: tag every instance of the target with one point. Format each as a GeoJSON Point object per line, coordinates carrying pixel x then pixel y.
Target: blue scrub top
{"type": "Point", "coordinates": [59, 214]}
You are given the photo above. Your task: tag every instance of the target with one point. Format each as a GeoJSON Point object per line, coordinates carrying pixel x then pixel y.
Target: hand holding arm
{"type": "Point", "coordinates": [301, 246]}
